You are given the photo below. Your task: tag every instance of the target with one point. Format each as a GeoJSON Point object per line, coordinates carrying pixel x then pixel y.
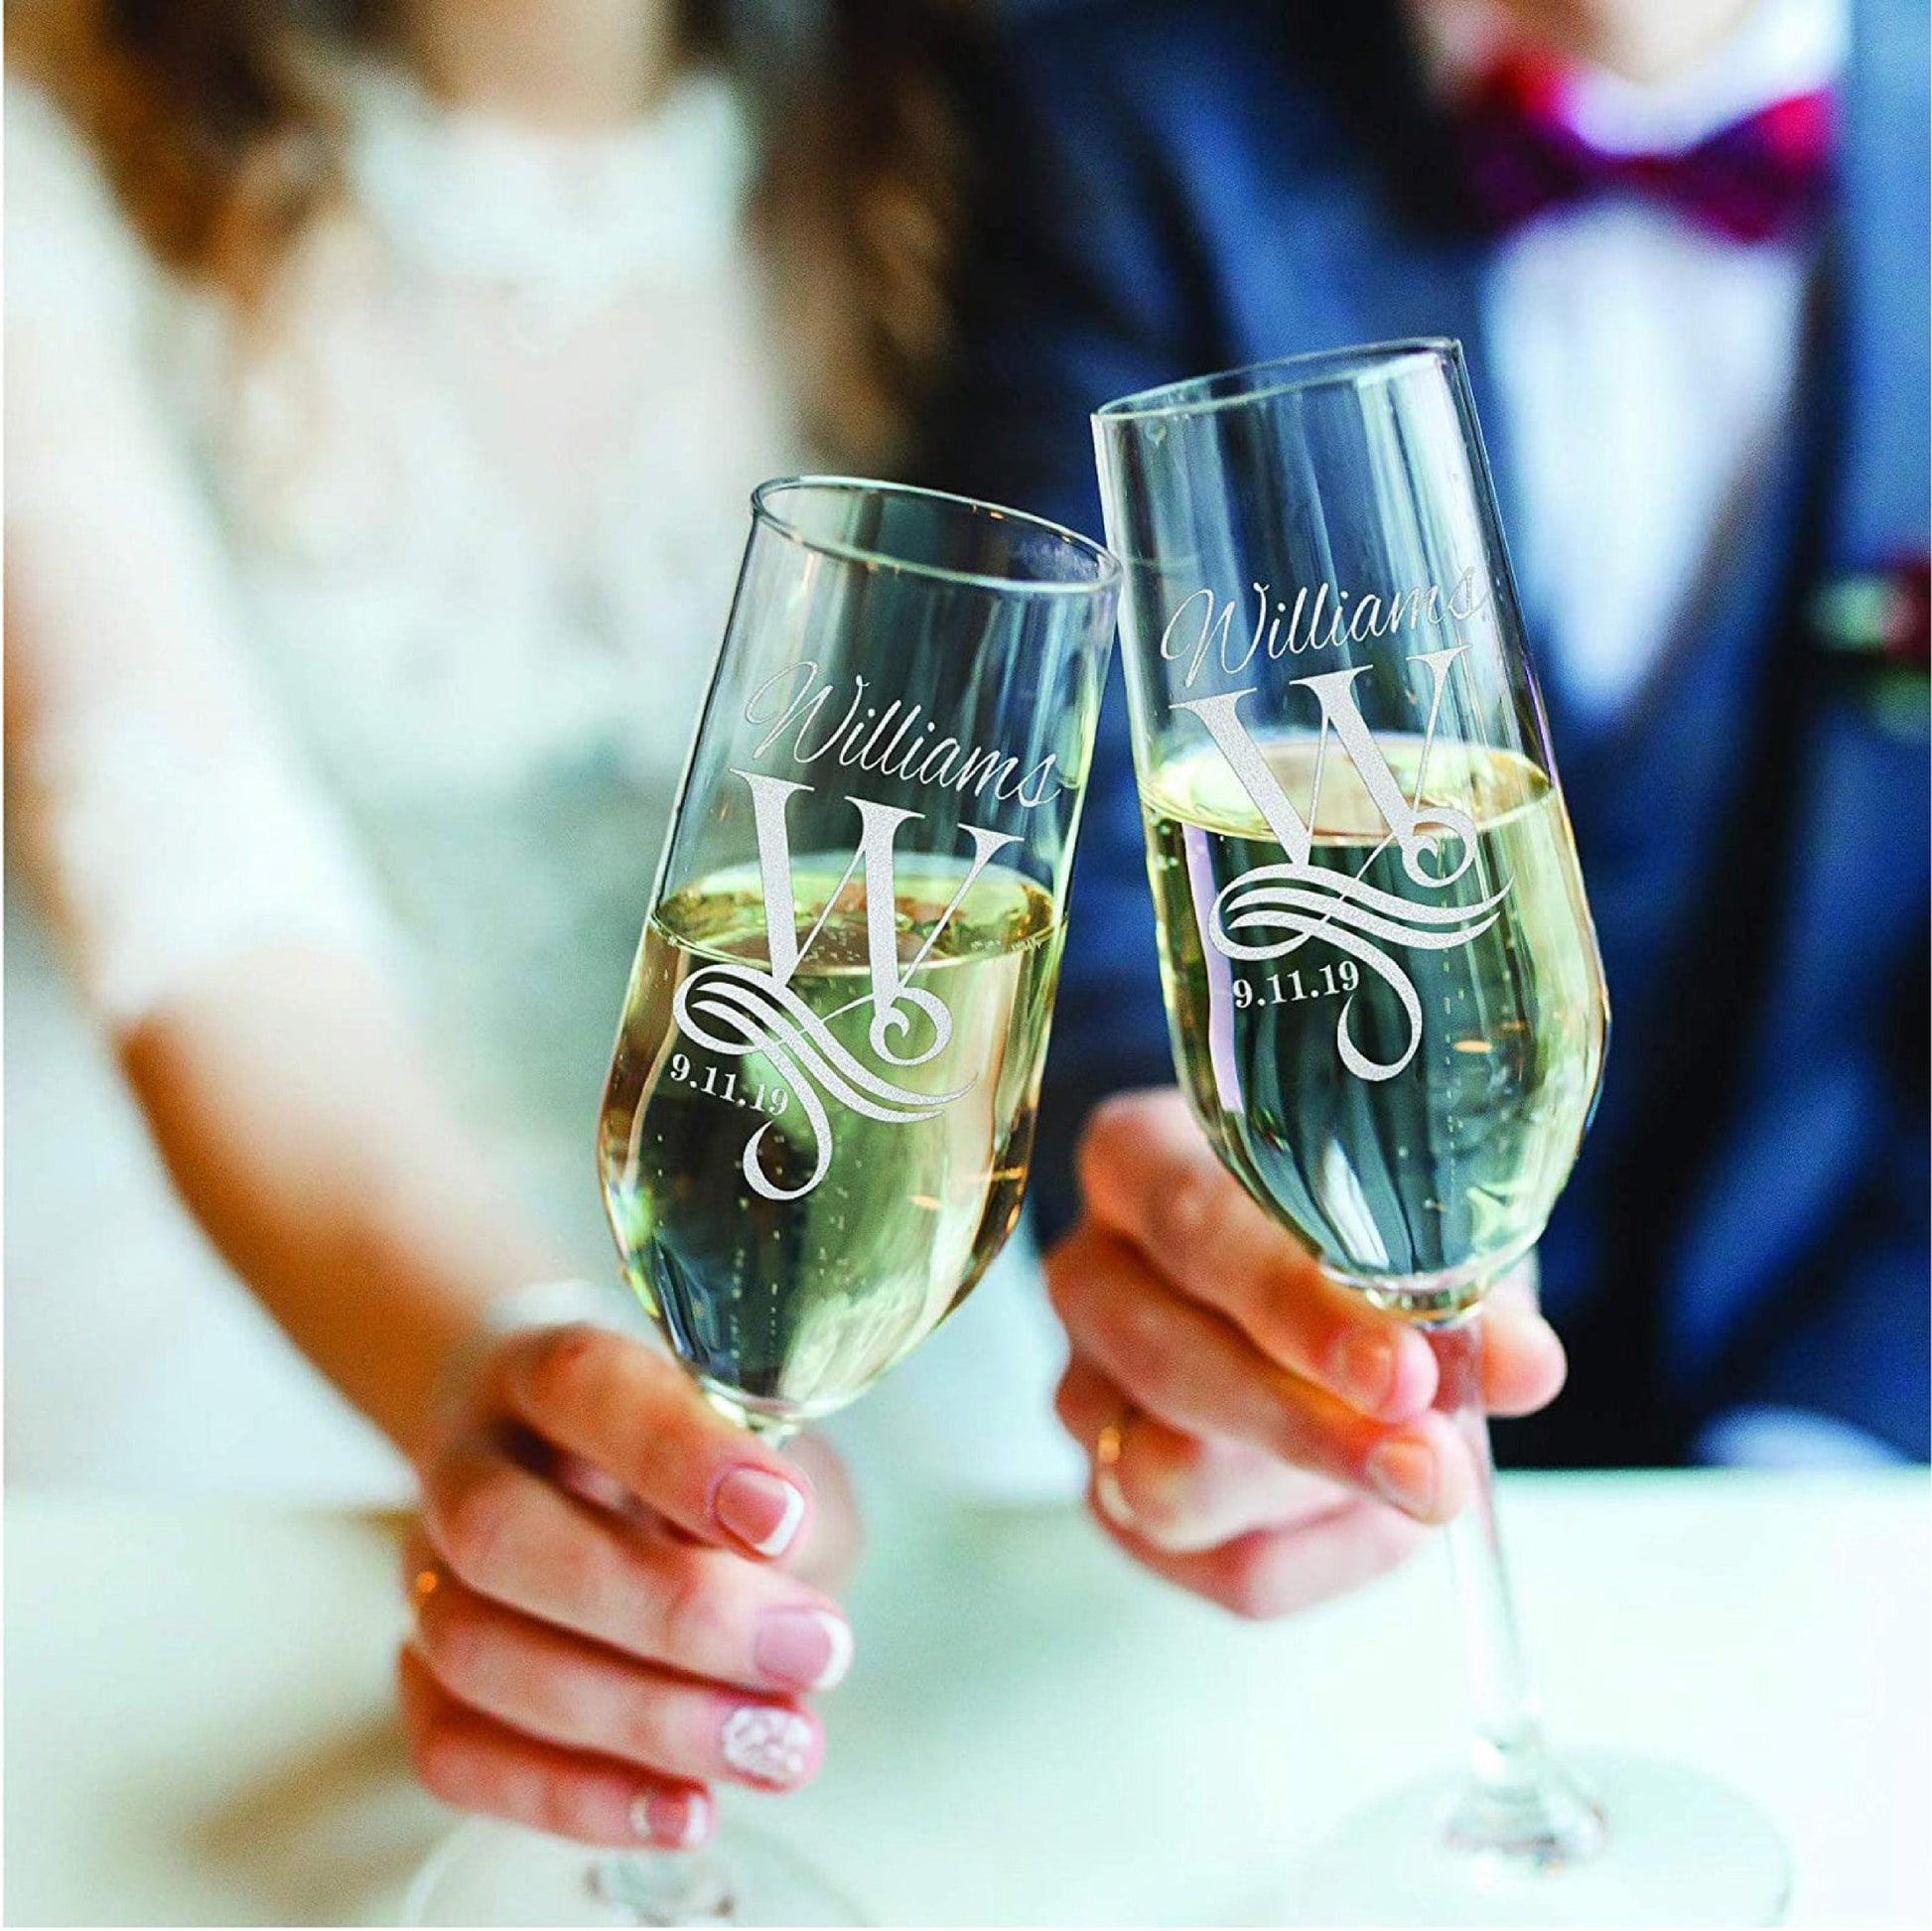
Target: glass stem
{"type": "Point", "coordinates": [1518, 1801]}
{"type": "Point", "coordinates": [679, 1887]}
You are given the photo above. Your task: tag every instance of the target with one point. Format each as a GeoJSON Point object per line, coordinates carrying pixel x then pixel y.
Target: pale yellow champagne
{"type": "Point", "coordinates": [1434, 1176]}
{"type": "Point", "coordinates": [787, 1308]}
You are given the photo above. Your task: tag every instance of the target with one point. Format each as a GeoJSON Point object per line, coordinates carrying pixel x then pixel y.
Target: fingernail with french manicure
{"type": "Point", "coordinates": [679, 1820]}
{"type": "Point", "coordinates": [768, 1745]}
{"type": "Point", "coordinates": [760, 1510]}
{"type": "Point", "coordinates": [1404, 1476]}
{"type": "Point", "coordinates": [808, 1649]}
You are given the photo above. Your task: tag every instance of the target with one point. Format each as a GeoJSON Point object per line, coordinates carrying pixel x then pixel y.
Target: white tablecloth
{"type": "Point", "coordinates": [198, 1721]}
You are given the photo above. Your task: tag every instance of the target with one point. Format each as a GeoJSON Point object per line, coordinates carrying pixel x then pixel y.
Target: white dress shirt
{"type": "Point", "coordinates": [1645, 366]}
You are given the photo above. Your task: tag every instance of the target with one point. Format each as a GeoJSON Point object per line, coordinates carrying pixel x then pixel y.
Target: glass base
{"type": "Point", "coordinates": [487, 1872]}
{"type": "Point", "coordinates": [1677, 1848]}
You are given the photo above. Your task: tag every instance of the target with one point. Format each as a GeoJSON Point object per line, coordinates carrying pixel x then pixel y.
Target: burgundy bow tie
{"type": "Point", "coordinates": [1761, 176]}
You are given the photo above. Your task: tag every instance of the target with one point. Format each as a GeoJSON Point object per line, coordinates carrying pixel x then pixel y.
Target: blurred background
{"type": "Point", "coordinates": [385, 384]}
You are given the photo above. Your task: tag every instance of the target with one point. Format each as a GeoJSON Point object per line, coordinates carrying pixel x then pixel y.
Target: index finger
{"type": "Point", "coordinates": [619, 1404]}
{"type": "Point", "coordinates": [1149, 1173]}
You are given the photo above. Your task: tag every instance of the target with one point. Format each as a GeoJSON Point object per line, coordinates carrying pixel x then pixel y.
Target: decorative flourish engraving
{"type": "Point", "coordinates": [1305, 902]}
{"type": "Point", "coordinates": [736, 1009]}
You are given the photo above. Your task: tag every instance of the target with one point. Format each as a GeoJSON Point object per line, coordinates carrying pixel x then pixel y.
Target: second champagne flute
{"type": "Point", "coordinates": [1386, 1002]}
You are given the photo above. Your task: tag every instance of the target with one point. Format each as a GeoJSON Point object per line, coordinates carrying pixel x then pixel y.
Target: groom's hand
{"type": "Point", "coordinates": [1259, 1435]}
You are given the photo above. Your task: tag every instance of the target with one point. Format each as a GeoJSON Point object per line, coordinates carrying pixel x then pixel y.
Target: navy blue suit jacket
{"type": "Point", "coordinates": [1184, 188]}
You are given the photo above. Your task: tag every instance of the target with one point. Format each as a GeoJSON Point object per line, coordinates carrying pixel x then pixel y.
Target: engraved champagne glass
{"type": "Point", "coordinates": [1387, 1007]}
{"type": "Point", "coordinates": [819, 1114]}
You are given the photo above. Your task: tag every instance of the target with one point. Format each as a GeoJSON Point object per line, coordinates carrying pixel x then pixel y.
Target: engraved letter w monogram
{"type": "Point", "coordinates": [738, 1009]}
{"type": "Point", "coordinates": [1303, 901]}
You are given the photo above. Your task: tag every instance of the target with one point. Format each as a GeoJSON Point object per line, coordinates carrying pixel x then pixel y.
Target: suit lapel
{"type": "Point", "coordinates": [1880, 500]}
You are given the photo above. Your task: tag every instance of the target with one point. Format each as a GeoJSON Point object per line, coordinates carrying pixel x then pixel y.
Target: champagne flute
{"type": "Point", "coordinates": [819, 1114]}
{"type": "Point", "coordinates": [1386, 1003]}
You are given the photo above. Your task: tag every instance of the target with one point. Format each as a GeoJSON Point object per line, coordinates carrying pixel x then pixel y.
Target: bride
{"type": "Point", "coordinates": [383, 405]}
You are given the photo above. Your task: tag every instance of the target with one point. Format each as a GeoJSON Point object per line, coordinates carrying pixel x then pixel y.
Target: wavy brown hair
{"type": "Point", "coordinates": [222, 150]}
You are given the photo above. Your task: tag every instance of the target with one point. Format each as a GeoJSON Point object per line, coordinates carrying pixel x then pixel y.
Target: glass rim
{"type": "Point", "coordinates": [1198, 395]}
{"type": "Point", "coordinates": [766, 514]}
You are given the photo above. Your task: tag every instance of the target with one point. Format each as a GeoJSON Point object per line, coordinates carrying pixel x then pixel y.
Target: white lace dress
{"type": "Point", "coordinates": [379, 616]}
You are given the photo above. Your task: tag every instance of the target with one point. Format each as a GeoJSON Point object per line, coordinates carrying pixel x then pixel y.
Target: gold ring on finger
{"type": "Point", "coordinates": [1108, 1448]}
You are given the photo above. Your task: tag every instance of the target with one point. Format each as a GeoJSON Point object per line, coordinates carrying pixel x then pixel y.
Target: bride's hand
{"type": "Point", "coordinates": [1259, 1435]}
{"type": "Point", "coordinates": [611, 1598]}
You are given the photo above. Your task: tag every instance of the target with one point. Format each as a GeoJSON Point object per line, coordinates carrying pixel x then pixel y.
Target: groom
{"type": "Point", "coordinates": [1685, 245]}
